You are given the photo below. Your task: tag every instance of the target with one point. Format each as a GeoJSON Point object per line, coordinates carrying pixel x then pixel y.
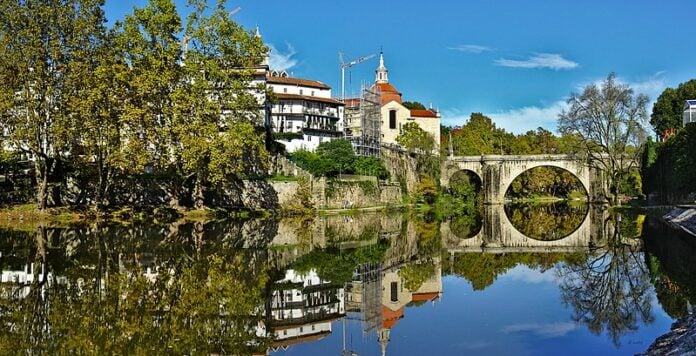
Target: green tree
{"type": "Point", "coordinates": [152, 50]}
{"type": "Point", "coordinates": [43, 49]}
{"type": "Point", "coordinates": [413, 105]}
{"type": "Point", "coordinates": [340, 152]}
{"type": "Point", "coordinates": [371, 166]}
{"type": "Point", "coordinates": [415, 139]}
{"type": "Point", "coordinates": [668, 109]}
{"type": "Point", "coordinates": [98, 107]}
{"type": "Point", "coordinates": [609, 121]}
{"type": "Point", "coordinates": [215, 111]}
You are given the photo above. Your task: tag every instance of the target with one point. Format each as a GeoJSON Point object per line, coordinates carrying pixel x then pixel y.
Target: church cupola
{"type": "Point", "coordinates": [381, 74]}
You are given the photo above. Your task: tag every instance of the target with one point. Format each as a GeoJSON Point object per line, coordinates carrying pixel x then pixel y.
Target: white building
{"type": "Point", "coordinates": [689, 112]}
{"type": "Point", "coordinates": [302, 308]}
{"type": "Point", "coordinates": [304, 114]}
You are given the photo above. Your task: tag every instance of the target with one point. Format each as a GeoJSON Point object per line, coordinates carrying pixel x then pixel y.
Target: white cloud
{"type": "Point", "coordinates": [544, 330]}
{"type": "Point", "coordinates": [282, 60]}
{"type": "Point", "coordinates": [471, 48]}
{"type": "Point", "coordinates": [517, 120]}
{"type": "Point", "coordinates": [539, 60]}
{"type": "Point", "coordinates": [528, 275]}
{"type": "Point", "coordinates": [522, 119]}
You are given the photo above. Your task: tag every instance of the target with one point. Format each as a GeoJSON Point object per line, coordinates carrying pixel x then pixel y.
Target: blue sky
{"type": "Point", "coordinates": [515, 61]}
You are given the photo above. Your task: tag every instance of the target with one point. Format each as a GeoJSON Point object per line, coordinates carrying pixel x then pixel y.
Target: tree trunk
{"type": "Point", "coordinates": [42, 189]}
{"type": "Point", "coordinates": [198, 197]}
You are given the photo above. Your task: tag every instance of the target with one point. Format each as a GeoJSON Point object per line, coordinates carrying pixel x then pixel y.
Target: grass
{"type": "Point", "coordinates": [27, 217]}
{"type": "Point", "coordinates": [283, 178]}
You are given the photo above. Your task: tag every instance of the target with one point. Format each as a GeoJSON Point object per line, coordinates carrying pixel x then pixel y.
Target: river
{"type": "Point", "coordinates": [521, 279]}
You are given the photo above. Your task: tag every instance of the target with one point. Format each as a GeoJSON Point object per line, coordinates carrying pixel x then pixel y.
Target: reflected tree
{"type": "Point", "coordinates": [611, 290]}
{"type": "Point", "coordinates": [546, 222]}
{"type": "Point", "coordinates": [114, 296]}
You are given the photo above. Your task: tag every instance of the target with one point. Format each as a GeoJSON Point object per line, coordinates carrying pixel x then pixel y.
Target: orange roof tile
{"type": "Point", "coordinates": [390, 317]}
{"type": "Point", "coordinates": [423, 113]}
{"type": "Point", "coordinates": [386, 88]}
{"type": "Point", "coordinates": [417, 297]}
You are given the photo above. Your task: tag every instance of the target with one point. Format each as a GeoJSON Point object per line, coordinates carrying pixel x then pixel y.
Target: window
{"type": "Point", "coordinates": [312, 92]}
{"type": "Point", "coordinates": [392, 119]}
{"type": "Point", "coordinates": [300, 91]}
{"type": "Point", "coordinates": [285, 90]}
{"type": "Point", "coordinates": [394, 296]}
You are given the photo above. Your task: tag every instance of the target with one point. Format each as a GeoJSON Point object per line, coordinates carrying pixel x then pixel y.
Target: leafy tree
{"type": "Point", "coordinates": [336, 156]}
{"type": "Point", "coordinates": [413, 105]}
{"type": "Point", "coordinates": [609, 121]}
{"type": "Point", "coordinates": [670, 175]}
{"type": "Point", "coordinates": [215, 97]}
{"type": "Point", "coordinates": [43, 48]}
{"type": "Point", "coordinates": [415, 139]}
{"type": "Point", "coordinates": [669, 107]}
{"type": "Point", "coordinates": [152, 50]}
{"type": "Point", "coordinates": [426, 189]}
{"type": "Point", "coordinates": [338, 151]}
{"type": "Point", "coordinates": [99, 108]}
{"type": "Point", "coordinates": [371, 166]}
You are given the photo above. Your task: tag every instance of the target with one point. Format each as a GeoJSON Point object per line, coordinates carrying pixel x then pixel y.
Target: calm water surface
{"type": "Point", "coordinates": [545, 279]}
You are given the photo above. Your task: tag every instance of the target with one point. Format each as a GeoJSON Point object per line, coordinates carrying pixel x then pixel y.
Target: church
{"type": "Point", "coordinates": [395, 115]}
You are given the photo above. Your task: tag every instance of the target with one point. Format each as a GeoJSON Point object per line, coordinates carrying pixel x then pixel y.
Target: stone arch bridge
{"type": "Point", "coordinates": [497, 172]}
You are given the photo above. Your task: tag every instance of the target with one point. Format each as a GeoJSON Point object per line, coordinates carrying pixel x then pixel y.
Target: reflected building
{"type": "Point", "coordinates": [301, 308]}
{"type": "Point", "coordinates": [396, 297]}
{"type": "Point", "coordinates": [364, 296]}
{"type": "Point", "coordinates": [21, 280]}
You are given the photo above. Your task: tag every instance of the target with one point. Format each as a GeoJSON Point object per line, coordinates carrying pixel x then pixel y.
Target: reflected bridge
{"type": "Point", "coordinates": [497, 172]}
{"type": "Point", "coordinates": [498, 235]}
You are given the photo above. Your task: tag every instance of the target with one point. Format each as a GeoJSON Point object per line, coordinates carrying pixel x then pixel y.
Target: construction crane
{"type": "Point", "coordinates": [345, 65]}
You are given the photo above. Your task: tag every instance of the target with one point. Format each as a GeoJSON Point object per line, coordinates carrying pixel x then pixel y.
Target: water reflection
{"type": "Point", "coordinates": [610, 289]}
{"type": "Point", "coordinates": [547, 221]}
{"type": "Point", "coordinates": [260, 286]}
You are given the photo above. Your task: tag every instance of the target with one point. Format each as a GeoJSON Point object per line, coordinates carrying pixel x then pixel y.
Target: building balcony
{"type": "Point", "coordinates": [327, 130]}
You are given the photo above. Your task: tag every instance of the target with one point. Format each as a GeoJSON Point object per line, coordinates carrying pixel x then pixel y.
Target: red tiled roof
{"type": "Point", "coordinates": [297, 81]}
{"type": "Point", "coordinates": [390, 317]}
{"type": "Point", "coordinates": [423, 113]}
{"type": "Point", "coordinates": [417, 297]}
{"type": "Point", "coordinates": [387, 93]}
{"type": "Point", "coordinates": [307, 98]}
{"type": "Point", "coordinates": [385, 88]}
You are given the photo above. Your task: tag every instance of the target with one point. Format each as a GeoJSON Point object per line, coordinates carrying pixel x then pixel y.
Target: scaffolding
{"type": "Point", "coordinates": [364, 296]}
{"type": "Point", "coordinates": [369, 141]}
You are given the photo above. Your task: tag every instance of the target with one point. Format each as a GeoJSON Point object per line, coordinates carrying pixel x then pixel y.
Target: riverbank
{"type": "Point", "coordinates": [27, 215]}
{"type": "Point", "coordinates": [682, 217]}
{"type": "Point", "coordinates": [680, 340]}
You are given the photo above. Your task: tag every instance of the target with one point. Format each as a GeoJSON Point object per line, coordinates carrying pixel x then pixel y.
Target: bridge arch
{"type": "Point", "coordinates": [522, 234]}
{"type": "Point", "coordinates": [498, 172]}
{"type": "Point", "coordinates": [507, 185]}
